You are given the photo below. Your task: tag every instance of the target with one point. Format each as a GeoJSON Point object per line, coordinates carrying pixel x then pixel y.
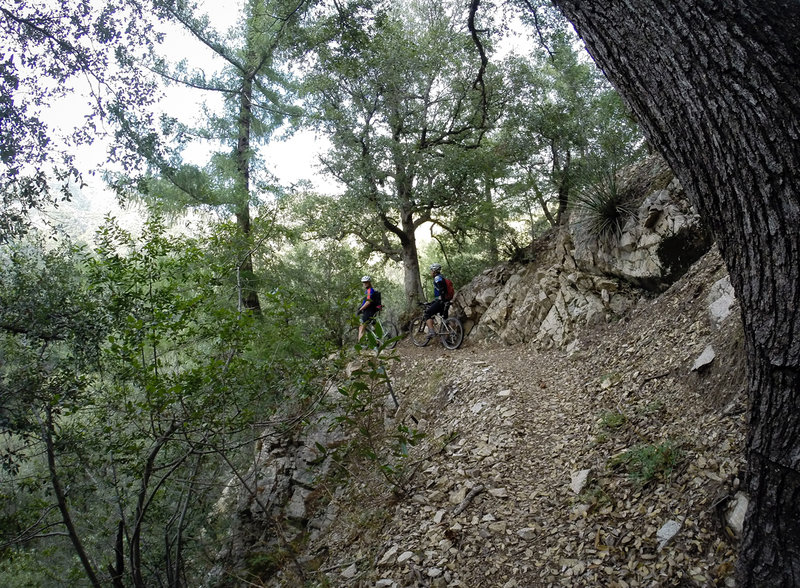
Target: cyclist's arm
{"type": "Point", "coordinates": [367, 301]}
{"type": "Point", "coordinates": [438, 287]}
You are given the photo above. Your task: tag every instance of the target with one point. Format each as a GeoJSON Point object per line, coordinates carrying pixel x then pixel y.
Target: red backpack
{"type": "Point", "coordinates": [449, 290]}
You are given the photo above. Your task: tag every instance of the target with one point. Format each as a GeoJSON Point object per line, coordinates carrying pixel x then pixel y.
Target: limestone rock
{"type": "Point", "coordinates": [705, 359]}
{"type": "Point", "coordinates": [350, 572]}
{"type": "Point", "coordinates": [589, 279]}
{"type": "Point", "coordinates": [736, 511]}
{"type": "Point", "coordinates": [721, 300]}
{"type": "Point", "coordinates": [667, 531]}
{"type": "Point", "coordinates": [578, 480]}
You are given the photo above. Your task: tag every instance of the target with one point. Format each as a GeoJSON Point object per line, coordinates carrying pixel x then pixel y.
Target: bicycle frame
{"type": "Point", "coordinates": [448, 329]}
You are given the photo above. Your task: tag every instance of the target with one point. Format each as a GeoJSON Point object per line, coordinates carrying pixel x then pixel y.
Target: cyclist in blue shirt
{"type": "Point", "coordinates": [370, 305]}
{"type": "Point", "coordinates": [437, 306]}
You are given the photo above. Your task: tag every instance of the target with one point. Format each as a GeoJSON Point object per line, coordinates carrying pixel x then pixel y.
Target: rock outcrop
{"type": "Point", "coordinates": [656, 244]}
{"type": "Point", "coordinates": [277, 502]}
{"type": "Point", "coordinates": [589, 277]}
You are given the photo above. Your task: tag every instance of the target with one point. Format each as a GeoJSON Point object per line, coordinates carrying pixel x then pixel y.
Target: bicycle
{"type": "Point", "coordinates": [384, 332]}
{"type": "Point", "coordinates": [448, 329]}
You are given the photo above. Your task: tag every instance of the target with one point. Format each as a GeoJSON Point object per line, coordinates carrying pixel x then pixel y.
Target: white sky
{"type": "Point", "coordinates": [290, 161]}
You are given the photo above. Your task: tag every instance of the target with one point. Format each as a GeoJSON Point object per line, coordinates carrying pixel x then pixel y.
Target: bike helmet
{"type": "Point", "coordinates": [436, 267]}
{"type": "Point", "coordinates": [366, 279]}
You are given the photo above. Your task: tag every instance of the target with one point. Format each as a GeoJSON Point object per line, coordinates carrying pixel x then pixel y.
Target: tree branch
{"type": "Point", "coordinates": [55, 481]}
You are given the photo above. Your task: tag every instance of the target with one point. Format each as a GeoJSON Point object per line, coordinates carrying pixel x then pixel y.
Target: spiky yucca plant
{"type": "Point", "coordinates": [603, 208]}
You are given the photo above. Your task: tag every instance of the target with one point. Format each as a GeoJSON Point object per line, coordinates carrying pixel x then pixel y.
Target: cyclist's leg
{"type": "Point", "coordinates": [433, 309]}
{"type": "Point", "coordinates": [367, 318]}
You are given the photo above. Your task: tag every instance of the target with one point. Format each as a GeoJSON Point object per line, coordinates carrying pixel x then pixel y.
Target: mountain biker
{"type": "Point", "coordinates": [438, 305]}
{"type": "Point", "coordinates": [370, 305]}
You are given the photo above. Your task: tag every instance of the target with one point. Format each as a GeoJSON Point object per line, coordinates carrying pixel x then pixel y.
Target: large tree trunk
{"type": "Point", "coordinates": [493, 253]}
{"type": "Point", "coordinates": [412, 285]}
{"type": "Point", "coordinates": [715, 86]}
{"type": "Point", "coordinates": [564, 184]}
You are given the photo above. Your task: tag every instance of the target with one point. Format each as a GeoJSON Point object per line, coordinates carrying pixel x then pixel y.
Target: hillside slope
{"type": "Point", "coordinates": [494, 498]}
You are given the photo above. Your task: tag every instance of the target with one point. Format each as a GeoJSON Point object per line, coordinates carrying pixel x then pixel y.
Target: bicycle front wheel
{"type": "Point", "coordinates": [389, 333]}
{"type": "Point", "coordinates": [418, 335]}
{"type": "Point", "coordinates": [453, 333]}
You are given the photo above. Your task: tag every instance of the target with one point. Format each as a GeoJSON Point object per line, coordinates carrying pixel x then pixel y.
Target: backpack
{"type": "Point", "coordinates": [449, 290]}
{"type": "Point", "coordinates": [376, 299]}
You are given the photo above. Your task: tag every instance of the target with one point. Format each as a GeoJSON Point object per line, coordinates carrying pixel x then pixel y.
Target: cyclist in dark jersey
{"type": "Point", "coordinates": [437, 306]}
{"type": "Point", "coordinates": [370, 305]}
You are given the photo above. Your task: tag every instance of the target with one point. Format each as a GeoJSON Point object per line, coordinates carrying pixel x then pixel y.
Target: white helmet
{"type": "Point", "coordinates": [436, 267]}
{"type": "Point", "coordinates": [366, 279]}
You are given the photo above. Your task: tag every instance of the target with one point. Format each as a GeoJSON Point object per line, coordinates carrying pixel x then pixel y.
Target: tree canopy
{"type": "Point", "coordinates": [52, 51]}
{"type": "Point", "coordinates": [399, 100]}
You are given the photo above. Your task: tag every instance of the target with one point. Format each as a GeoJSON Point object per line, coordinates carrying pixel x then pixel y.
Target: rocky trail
{"type": "Point", "coordinates": [616, 463]}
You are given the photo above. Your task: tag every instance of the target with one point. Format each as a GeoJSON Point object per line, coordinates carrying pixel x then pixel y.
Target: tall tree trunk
{"type": "Point", "coordinates": [48, 426]}
{"type": "Point", "coordinates": [715, 86]}
{"type": "Point", "coordinates": [564, 185]}
{"type": "Point", "coordinates": [246, 277]}
{"type": "Point", "coordinates": [412, 284]}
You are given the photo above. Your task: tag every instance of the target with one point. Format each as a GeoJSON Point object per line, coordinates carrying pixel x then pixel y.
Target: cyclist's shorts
{"type": "Point", "coordinates": [368, 315]}
{"type": "Point", "coordinates": [436, 307]}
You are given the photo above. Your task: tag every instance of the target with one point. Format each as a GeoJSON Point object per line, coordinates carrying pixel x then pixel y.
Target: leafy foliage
{"type": "Point", "coordinates": [140, 399]}
{"type": "Point", "coordinates": [396, 96]}
{"type": "Point", "coordinates": [48, 50]}
{"type": "Point", "coordinates": [363, 398]}
{"type": "Point", "coordinates": [565, 128]}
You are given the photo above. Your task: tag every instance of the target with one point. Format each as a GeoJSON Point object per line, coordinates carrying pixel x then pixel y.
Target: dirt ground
{"type": "Point", "coordinates": [609, 465]}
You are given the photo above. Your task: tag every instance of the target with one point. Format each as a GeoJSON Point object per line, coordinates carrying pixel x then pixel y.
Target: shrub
{"type": "Point", "coordinates": [648, 462]}
{"type": "Point", "coordinates": [612, 419]}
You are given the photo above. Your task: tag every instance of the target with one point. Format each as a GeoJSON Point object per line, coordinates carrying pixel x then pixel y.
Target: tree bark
{"type": "Point", "coordinates": [564, 183]}
{"type": "Point", "coordinates": [494, 253]}
{"type": "Point", "coordinates": [412, 284]}
{"type": "Point", "coordinates": [715, 87]}
{"type": "Point", "coordinates": [248, 295]}
{"type": "Point", "coordinates": [61, 499]}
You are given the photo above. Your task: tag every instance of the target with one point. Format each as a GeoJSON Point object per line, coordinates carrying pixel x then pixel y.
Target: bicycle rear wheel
{"type": "Point", "coordinates": [417, 330]}
{"type": "Point", "coordinates": [453, 333]}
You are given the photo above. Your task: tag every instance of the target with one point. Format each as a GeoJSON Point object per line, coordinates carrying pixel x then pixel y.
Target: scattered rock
{"type": "Point", "coordinates": [578, 480]}
{"type": "Point", "coordinates": [721, 300]}
{"type": "Point", "coordinates": [736, 512]}
{"type": "Point", "coordinates": [667, 531]}
{"type": "Point", "coordinates": [527, 533]}
{"type": "Point", "coordinates": [405, 556]}
{"type": "Point", "coordinates": [705, 359]}
{"type": "Point", "coordinates": [388, 555]}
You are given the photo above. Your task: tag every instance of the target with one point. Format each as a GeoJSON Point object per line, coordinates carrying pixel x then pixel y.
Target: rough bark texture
{"type": "Point", "coordinates": [715, 87]}
{"type": "Point", "coordinates": [412, 286]}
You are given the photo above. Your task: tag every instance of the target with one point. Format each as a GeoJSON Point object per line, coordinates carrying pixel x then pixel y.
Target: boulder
{"type": "Point", "coordinates": [657, 243]}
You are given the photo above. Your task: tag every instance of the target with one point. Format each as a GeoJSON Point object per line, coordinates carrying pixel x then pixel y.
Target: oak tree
{"type": "Point", "coordinates": [399, 98]}
{"type": "Point", "coordinates": [715, 87]}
